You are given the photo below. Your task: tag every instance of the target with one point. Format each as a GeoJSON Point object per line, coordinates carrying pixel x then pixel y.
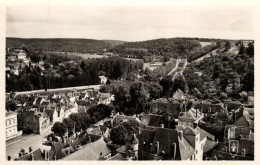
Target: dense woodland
{"type": "Point", "coordinates": [63, 45]}
{"type": "Point", "coordinates": [173, 47]}
{"type": "Point", "coordinates": [69, 74]}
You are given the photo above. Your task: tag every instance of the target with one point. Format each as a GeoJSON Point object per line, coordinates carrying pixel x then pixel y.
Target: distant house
{"type": "Point", "coordinates": [105, 98]}
{"type": "Point", "coordinates": [178, 95]}
{"type": "Point", "coordinates": [159, 106]}
{"type": "Point", "coordinates": [103, 79]}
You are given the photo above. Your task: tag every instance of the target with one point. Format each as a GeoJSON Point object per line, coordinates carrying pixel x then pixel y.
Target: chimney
{"type": "Point", "coordinates": [32, 157]}
{"type": "Point", "coordinates": [157, 148]}
{"type": "Point", "coordinates": [162, 125]}
{"type": "Point", "coordinates": [174, 150]}
{"type": "Point", "coordinates": [243, 152]}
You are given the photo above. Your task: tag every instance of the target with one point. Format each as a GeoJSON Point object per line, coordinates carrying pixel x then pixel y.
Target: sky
{"type": "Point", "coordinates": [129, 23]}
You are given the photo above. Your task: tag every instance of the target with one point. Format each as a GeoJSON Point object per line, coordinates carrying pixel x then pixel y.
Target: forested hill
{"type": "Point", "coordinates": [173, 47]}
{"type": "Point", "coordinates": [62, 44]}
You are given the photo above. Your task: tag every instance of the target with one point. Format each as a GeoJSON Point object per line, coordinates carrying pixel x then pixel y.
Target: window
{"type": "Point", "coordinates": [9, 122]}
{"type": "Point", "coordinates": [13, 120]}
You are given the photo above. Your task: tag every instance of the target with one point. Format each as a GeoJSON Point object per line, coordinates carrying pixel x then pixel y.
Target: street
{"type": "Point", "coordinates": [36, 141]}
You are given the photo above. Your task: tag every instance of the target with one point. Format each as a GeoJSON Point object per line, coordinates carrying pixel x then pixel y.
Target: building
{"type": "Point", "coordinates": [190, 118]}
{"type": "Point", "coordinates": [37, 122]}
{"type": "Point", "coordinates": [103, 79]}
{"type": "Point", "coordinates": [91, 151]}
{"type": "Point", "coordinates": [10, 125]}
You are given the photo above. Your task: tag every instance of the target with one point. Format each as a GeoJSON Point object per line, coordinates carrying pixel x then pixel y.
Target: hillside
{"type": "Point", "coordinates": [65, 45]}
{"type": "Point", "coordinates": [172, 47]}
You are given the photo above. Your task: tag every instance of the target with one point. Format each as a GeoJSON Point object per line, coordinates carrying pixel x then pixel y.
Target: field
{"type": "Point", "coordinates": [203, 44]}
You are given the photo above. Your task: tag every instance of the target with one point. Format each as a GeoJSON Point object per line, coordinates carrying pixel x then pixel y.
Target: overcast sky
{"type": "Point", "coordinates": [129, 23]}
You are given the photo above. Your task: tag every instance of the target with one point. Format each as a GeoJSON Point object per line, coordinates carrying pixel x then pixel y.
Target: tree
{"type": "Point", "coordinates": [69, 124]}
{"type": "Point", "coordinates": [139, 95]}
{"type": "Point", "coordinates": [131, 127]}
{"type": "Point", "coordinates": [59, 129]}
{"type": "Point", "coordinates": [179, 83]}
{"type": "Point", "coordinates": [250, 50]}
{"type": "Point", "coordinates": [227, 45]}
{"type": "Point", "coordinates": [81, 120]}
{"type": "Point", "coordinates": [118, 135]}
{"type": "Point", "coordinates": [167, 85]}
{"type": "Point", "coordinates": [241, 49]}
{"type": "Point", "coordinates": [11, 105]}
{"type": "Point", "coordinates": [243, 95]}
{"type": "Point", "coordinates": [154, 89]}
{"type": "Point", "coordinates": [100, 112]}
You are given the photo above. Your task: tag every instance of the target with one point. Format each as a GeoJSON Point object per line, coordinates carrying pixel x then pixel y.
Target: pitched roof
{"type": "Point", "coordinates": [204, 133]}
{"type": "Point", "coordinates": [209, 145]}
{"type": "Point", "coordinates": [178, 94]}
{"type": "Point", "coordinates": [192, 114]}
{"type": "Point", "coordinates": [186, 150]}
{"type": "Point", "coordinates": [91, 151]}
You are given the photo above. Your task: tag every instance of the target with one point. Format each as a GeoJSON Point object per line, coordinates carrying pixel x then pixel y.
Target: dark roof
{"type": "Point", "coordinates": [166, 138]}
{"type": "Point", "coordinates": [209, 145]}
{"type": "Point", "coordinates": [204, 133]}
{"type": "Point", "coordinates": [151, 120]}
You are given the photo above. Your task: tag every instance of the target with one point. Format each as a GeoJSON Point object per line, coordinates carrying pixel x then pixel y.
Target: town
{"type": "Point", "coordinates": [163, 99]}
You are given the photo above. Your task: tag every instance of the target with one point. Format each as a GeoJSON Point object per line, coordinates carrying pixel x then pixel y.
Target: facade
{"type": "Point", "coordinates": [38, 122]}
{"type": "Point", "coordinates": [10, 125]}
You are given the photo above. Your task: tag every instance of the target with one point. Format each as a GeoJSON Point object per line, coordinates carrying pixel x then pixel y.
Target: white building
{"type": "Point", "coordinates": [10, 125]}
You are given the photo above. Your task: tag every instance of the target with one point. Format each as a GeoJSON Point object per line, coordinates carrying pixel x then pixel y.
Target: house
{"type": "Point", "coordinates": [168, 144]}
{"type": "Point", "coordinates": [105, 98]}
{"type": "Point", "coordinates": [209, 108]}
{"type": "Point", "coordinates": [103, 79]}
{"type": "Point", "coordinates": [11, 125]}
{"type": "Point", "coordinates": [53, 115]}
{"type": "Point", "coordinates": [190, 117]}
{"type": "Point", "coordinates": [91, 151]}
{"type": "Point", "coordinates": [246, 120]}
{"type": "Point", "coordinates": [38, 122]}
{"type": "Point", "coordinates": [165, 106]}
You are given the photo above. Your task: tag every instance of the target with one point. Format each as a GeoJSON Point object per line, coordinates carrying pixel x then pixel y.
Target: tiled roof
{"type": "Point", "coordinates": [10, 113]}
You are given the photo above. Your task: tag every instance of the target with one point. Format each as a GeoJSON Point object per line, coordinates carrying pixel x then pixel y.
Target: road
{"type": "Point", "coordinates": [179, 68]}
{"type": "Point", "coordinates": [36, 141]}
